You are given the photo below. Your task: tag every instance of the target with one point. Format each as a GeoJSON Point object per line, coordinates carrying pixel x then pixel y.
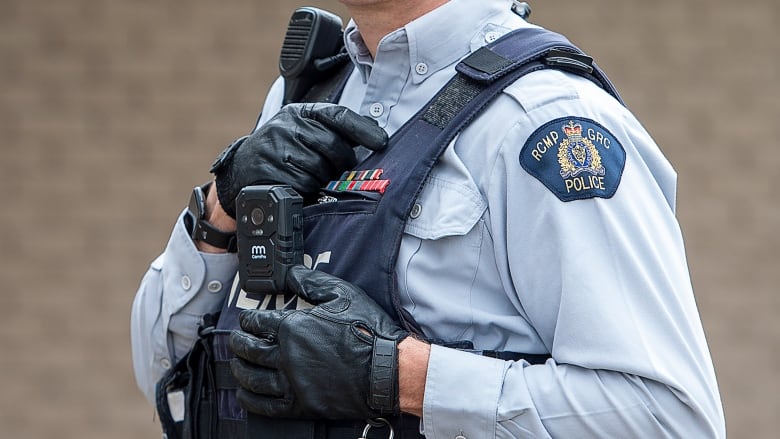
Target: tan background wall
{"type": "Point", "coordinates": [110, 111]}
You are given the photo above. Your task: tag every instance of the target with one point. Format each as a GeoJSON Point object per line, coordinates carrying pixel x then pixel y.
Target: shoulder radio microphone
{"type": "Point", "coordinates": [309, 50]}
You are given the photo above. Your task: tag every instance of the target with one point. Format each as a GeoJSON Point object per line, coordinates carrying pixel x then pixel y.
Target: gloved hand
{"type": "Point", "coordinates": [337, 360]}
{"type": "Point", "coordinates": [304, 145]}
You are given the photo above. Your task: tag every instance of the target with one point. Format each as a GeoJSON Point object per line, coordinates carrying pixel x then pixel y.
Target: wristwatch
{"type": "Point", "coordinates": [200, 229]}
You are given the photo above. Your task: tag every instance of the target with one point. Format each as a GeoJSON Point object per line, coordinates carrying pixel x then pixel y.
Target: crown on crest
{"type": "Point", "coordinates": [572, 129]}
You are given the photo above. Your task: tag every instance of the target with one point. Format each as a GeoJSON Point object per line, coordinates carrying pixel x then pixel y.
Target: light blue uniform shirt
{"type": "Point", "coordinates": [493, 256]}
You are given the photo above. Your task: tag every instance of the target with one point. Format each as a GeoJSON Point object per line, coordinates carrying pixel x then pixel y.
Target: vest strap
{"type": "Point", "coordinates": [261, 427]}
{"type": "Point", "coordinates": [232, 429]}
{"type": "Point", "coordinates": [223, 376]}
{"type": "Point", "coordinates": [451, 100]}
{"type": "Point", "coordinates": [564, 59]}
{"type": "Point", "coordinates": [550, 50]}
{"type": "Point", "coordinates": [486, 61]}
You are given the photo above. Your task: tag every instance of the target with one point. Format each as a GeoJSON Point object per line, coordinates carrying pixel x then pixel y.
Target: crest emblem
{"type": "Point", "coordinates": [577, 154]}
{"type": "Point", "coordinates": [575, 158]}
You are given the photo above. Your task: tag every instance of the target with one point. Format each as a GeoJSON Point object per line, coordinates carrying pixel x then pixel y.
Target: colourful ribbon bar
{"type": "Point", "coordinates": [374, 185]}
{"type": "Point", "coordinates": [358, 185]}
{"type": "Point", "coordinates": [368, 174]}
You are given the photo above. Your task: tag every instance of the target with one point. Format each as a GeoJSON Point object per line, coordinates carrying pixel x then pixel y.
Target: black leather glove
{"type": "Point", "coordinates": [337, 360]}
{"type": "Point", "coordinates": [304, 145]}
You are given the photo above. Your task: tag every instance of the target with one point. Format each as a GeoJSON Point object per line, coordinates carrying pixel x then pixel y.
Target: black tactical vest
{"type": "Point", "coordinates": [356, 234]}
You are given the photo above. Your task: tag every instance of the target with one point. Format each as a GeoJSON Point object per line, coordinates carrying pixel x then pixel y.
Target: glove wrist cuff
{"type": "Point", "coordinates": [223, 184]}
{"type": "Point", "coordinates": [383, 391]}
{"type": "Point", "coordinates": [226, 193]}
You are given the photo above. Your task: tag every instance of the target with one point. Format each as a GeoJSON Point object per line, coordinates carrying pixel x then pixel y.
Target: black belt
{"type": "Point", "coordinates": [512, 356]}
{"type": "Point", "coordinates": [257, 427]}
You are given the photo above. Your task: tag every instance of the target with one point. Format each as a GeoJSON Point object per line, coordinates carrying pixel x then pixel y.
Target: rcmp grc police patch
{"type": "Point", "coordinates": [575, 158]}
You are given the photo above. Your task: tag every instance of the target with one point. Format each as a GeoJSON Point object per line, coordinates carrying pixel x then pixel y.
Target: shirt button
{"type": "Point", "coordinates": [165, 363]}
{"type": "Point", "coordinates": [215, 286]}
{"type": "Point", "coordinates": [491, 36]}
{"type": "Point", "coordinates": [186, 283]}
{"type": "Point", "coordinates": [376, 109]}
{"type": "Point", "coordinates": [416, 210]}
{"type": "Point", "coordinates": [421, 68]}
{"type": "Point", "coordinates": [460, 436]}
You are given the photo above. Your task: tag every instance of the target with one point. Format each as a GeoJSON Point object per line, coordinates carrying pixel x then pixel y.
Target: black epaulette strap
{"type": "Point", "coordinates": [492, 68]}
{"type": "Point", "coordinates": [536, 48]}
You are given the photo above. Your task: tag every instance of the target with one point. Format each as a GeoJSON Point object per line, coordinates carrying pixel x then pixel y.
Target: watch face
{"type": "Point", "coordinates": [197, 203]}
{"type": "Point", "coordinates": [189, 222]}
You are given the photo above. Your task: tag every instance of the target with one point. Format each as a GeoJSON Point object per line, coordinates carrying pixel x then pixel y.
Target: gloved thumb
{"type": "Point", "coordinates": [317, 287]}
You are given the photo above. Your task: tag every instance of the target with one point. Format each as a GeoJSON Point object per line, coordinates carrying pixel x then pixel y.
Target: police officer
{"type": "Point", "coordinates": [545, 228]}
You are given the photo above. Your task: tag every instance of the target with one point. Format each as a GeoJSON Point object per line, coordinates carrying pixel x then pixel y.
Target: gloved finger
{"type": "Point", "coordinates": [303, 182]}
{"type": "Point", "coordinates": [360, 129]}
{"type": "Point", "coordinates": [323, 143]}
{"type": "Point", "coordinates": [259, 351]}
{"type": "Point", "coordinates": [262, 323]}
{"type": "Point", "coordinates": [317, 287]}
{"type": "Point", "coordinates": [259, 380]}
{"type": "Point", "coordinates": [307, 144]}
{"type": "Point", "coordinates": [265, 405]}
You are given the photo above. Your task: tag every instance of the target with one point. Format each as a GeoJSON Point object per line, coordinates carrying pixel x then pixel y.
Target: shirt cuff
{"type": "Point", "coordinates": [461, 394]}
{"type": "Point", "coordinates": [186, 270]}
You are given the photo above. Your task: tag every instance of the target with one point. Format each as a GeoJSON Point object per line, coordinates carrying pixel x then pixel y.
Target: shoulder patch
{"type": "Point", "coordinates": [575, 158]}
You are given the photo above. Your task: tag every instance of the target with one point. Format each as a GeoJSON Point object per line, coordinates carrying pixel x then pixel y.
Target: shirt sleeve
{"type": "Point", "coordinates": [180, 286]}
{"type": "Point", "coordinates": [604, 282]}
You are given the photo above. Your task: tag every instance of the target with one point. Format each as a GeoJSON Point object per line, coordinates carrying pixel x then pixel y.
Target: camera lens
{"type": "Point", "coordinates": [258, 216]}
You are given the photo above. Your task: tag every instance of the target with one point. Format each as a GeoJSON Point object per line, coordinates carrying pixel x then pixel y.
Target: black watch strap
{"type": "Point", "coordinates": [200, 229]}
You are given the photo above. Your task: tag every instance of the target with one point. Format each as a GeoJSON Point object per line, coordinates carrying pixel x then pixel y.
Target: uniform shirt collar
{"type": "Point", "coordinates": [435, 40]}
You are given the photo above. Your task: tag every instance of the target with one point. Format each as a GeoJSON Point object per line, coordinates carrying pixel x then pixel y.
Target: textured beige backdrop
{"type": "Point", "coordinates": [110, 111]}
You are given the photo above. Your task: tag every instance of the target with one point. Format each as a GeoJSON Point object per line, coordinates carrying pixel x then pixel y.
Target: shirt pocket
{"type": "Point", "coordinates": [440, 256]}
{"type": "Point", "coordinates": [446, 208]}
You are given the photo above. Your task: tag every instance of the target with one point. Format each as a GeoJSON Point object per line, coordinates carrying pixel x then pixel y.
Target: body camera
{"type": "Point", "coordinates": [270, 236]}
